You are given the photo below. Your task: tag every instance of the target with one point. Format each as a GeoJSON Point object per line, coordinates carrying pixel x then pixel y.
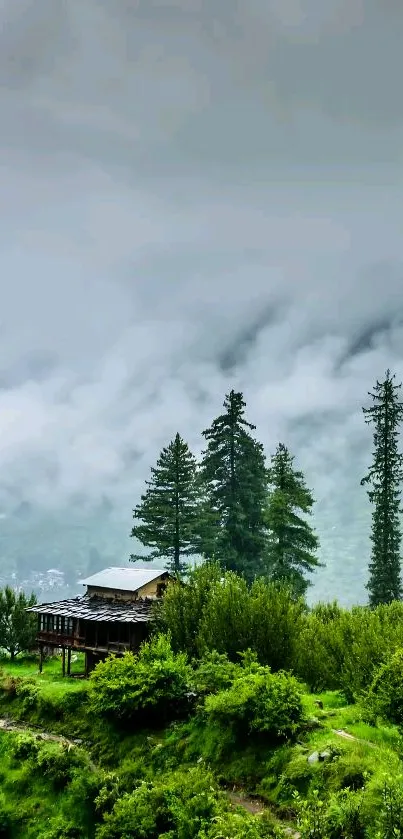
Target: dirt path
{"type": "Point", "coordinates": [256, 806]}
{"type": "Point", "coordinates": [20, 728]}
{"type": "Point", "coordinates": [346, 736]}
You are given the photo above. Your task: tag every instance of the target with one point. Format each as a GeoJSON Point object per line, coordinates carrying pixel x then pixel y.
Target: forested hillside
{"type": "Point", "coordinates": [246, 715]}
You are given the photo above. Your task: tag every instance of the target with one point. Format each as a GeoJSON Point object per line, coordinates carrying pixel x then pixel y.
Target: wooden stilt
{"type": "Point", "coordinates": [69, 661]}
{"type": "Point", "coordinates": [40, 658]}
{"type": "Point", "coordinates": [86, 664]}
{"type": "Point", "coordinates": [64, 661]}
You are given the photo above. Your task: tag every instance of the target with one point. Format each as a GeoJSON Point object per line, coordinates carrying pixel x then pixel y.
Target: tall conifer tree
{"type": "Point", "coordinates": [384, 477]}
{"type": "Point", "coordinates": [169, 510]}
{"type": "Point", "coordinates": [291, 542]}
{"type": "Point", "coordinates": [233, 474]}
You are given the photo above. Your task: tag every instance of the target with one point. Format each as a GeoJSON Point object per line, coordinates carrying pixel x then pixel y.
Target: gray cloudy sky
{"type": "Point", "coordinates": [197, 195]}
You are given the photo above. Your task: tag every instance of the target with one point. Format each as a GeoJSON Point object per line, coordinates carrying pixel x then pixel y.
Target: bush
{"type": "Point", "coordinates": [25, 746]}
{"type": "Point", "coordinates": [153, 683]}
{"type": "Point", "coordinates": [241, 826]}
{"type": "Point", "coordinates": [183, 607]}
{"type": "Point", "coordinates": [58, 762]}
{"type": "Point", "coordinates": [346, 647]}
{"type": "Point", "coordinates": [216, 610]}
{"type": "Point", "coordinates": [28, 691]}
{"type": "Point", "coordinates": [390, 819]}
{"type": "Point", "coordinates": [259, 703]}
{"type": "Point", "coordinates": [176, 809]}
{"type": "Point", "coordinates": [346, 816]}
{"type": "Point", "coordinates": [215, 672]}
{"type": "Point", "coordinates": [385, 695]}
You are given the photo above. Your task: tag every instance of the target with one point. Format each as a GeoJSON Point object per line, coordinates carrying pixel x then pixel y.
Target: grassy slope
{"type": "Point", "coordinates": [268, 775]}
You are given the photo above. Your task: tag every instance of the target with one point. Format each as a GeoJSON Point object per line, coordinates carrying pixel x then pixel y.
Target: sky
{"type": "Point", "coordinates": [197, 196]}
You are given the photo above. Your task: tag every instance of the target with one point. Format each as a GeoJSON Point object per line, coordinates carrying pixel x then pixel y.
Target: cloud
{"type": "Point", "coordinates": [194, 196]}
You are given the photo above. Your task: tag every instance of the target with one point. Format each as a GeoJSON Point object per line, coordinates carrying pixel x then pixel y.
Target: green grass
{"type": "Point", "coordinates": [52, 668]}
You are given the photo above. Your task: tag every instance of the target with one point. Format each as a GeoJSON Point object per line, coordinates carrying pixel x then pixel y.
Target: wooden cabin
{"type": "Point", "coordinates": [113, 615]}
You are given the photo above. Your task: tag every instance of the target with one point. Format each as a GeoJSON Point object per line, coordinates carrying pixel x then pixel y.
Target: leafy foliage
{"type": "Point", "coordinates": [155, 683]}
{"type": "Point", "coordinates": [170, 510]}
{"type": "Point", "coordinates": [178, 809]}
{"type": "Point", "coordinates": [385, 695]}
{"type": "Point", "coordinates": [385, 476]}
{"type": "Point", "coordinates": [233, 473]}
{"type": "Point", "coordinates": [183, 607]}
{"type": "Point", "coordinates": [346, 646]}
{"type": "Point", "coordinates": [17, 627]}
{"type": "Point", "coordinates": [292, 543]}
{"type": "Point", "coordinates": [218, 611]}
{"type": "Point", "coordinates": [215, 672]}
{"type": "Point", "coordinates": [259, 703]}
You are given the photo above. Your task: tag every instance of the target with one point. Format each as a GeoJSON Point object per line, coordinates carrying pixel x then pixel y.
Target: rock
{"type": "Point", "coordinates": [319, 703]}
{"type": "Point", "coordinates": [313, 758]}
{"type": "Point", "coordinates": [325, 755]}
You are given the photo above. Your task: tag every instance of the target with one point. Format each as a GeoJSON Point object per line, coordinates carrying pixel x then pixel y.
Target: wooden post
{"type": "Point", "coordinates": [86, 664]}
{"type": "Point", "coordinates": [40, 658]}
{"type": "Point", "coordinates": [63, 661]}
{"type": "Point", "coordinates": [69, 661]}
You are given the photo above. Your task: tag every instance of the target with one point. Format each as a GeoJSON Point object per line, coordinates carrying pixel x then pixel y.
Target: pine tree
{"type": "Point", "coordinates": [169, 510]}
{"type": "Point", "coordinates": [384, 476]}
{"type": "Point", "coordinates": [291, 541]}
{"type": "Point", "coordinates": [233, 473]}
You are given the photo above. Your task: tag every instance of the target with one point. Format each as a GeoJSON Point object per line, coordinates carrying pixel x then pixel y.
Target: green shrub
{"type": "Point", "coordinates": [57, 763]}
{"type": "Point", "coordinates": [155, 683]}
{"type": "Point", "coordinates": [389, 823]}
{"type": "Point", "coordinates": [60, 828]}
{"type": "Point", "coordinates": [27, 690]}
{"type": "Point", "coordinates": [110, 790]}
{"type": "Point", "coordinates": [216, 610]}
{"type": "Point", "coordinates": [347, 646]}
{"type": "Point", "coordinates": [385, 695]}
{"type": "Point", "coordinates": [259, 703]}
{"type": "Point", "coordinates": [25, 747]}
{"type": "Point", "coordinates": [176, 809]}
{"type": "Point", "coordinates": [215, 672]}
{"type": "Point", "coordinates": [346, 816]}
{"type": "Point", "coordinates": [183, 607]}
{"type": "Point", "coordinates": [276, 618]}
{"type": "Point", "coordinates": [241, 825]}
{"type": "Point", "coordinates": [312, 821]}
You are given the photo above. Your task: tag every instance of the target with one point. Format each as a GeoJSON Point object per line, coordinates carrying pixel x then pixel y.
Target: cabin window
{"type": "Point", "coordinates": [69, 626]}
{"type": "Point", "coordinates": [42, 622]}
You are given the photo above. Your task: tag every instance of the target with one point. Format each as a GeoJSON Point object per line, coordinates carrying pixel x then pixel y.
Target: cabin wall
{"type": "Point", "coordinates": [149, 590]}
{"type": "Point", "coordinates": [112, 594]}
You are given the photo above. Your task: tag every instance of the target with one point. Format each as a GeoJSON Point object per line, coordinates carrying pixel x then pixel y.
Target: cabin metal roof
{"type": "Point", "coordinates": [123, 579]}
{"type": "Point", "coordinates": [98, 609]}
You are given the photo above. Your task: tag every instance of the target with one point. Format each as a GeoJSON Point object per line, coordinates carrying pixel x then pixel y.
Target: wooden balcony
{"type": "Point", "coordinates": [58, 639]}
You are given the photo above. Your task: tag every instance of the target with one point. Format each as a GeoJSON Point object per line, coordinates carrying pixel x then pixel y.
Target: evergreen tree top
{"type": "Point", "coordinates": [233, 416]}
